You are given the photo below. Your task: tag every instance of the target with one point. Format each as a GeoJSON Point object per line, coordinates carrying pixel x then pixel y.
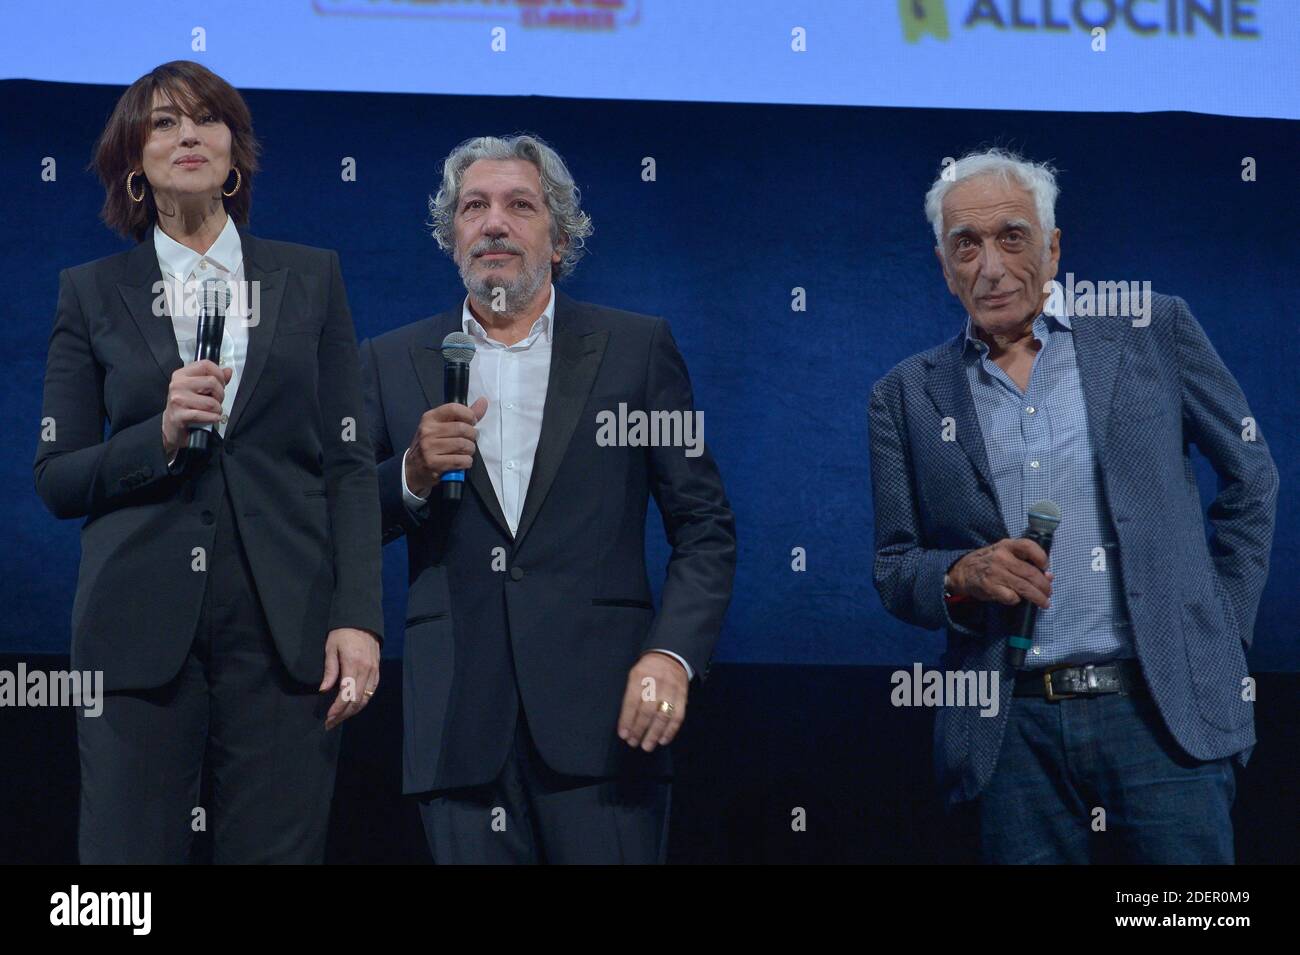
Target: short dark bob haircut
{"type": "Point", "coordinates": [191, 88]}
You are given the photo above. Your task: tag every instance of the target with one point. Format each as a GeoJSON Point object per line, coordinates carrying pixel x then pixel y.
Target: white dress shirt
{"type": "Point", "coordinates": [184, 271]}
{"type": "Point", "coordinates": [514, 380]}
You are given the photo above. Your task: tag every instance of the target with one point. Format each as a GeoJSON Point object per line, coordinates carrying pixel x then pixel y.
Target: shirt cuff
{"type": "Point", "coordinates": [690, 674]}
{"type": "Point", "coordinates": [409, 497]}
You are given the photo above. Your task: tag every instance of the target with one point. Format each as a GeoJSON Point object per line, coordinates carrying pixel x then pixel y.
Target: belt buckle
{"type": "Point", "coordinates": [1052, 696]}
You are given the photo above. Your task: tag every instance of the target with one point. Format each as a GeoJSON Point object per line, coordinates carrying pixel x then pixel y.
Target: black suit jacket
{"type": "Point", "coordinates": [564, 605]}
{"type": "Point", "coordinates": [301, 479]}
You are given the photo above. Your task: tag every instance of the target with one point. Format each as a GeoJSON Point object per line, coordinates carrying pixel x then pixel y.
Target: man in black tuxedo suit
{"type": "Point", "coordinates": [540, 687]}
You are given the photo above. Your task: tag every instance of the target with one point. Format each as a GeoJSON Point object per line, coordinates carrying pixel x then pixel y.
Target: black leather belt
{"type": "Point", "coordinates": [1068, 680]}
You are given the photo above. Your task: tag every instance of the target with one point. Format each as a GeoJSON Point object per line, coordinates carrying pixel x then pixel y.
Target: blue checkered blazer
{"type": "Point", "coordinates": [1192, 602]}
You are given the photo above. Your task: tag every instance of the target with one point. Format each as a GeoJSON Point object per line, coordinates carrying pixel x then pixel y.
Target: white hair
{"type": "Point", "coordinates": [1038, 178]}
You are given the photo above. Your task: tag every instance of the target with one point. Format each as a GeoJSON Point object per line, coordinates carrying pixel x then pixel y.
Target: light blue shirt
{"type": "Point", "coordinates": [1038, 449]}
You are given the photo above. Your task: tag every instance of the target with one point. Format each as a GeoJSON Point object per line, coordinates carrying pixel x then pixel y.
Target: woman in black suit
{"type": "Point", "coordinates": [223, 594]}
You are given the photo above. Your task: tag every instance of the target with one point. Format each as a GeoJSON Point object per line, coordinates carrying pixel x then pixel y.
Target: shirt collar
{"type": "Point", "coordinates": [544, 324]}
{"type": "Point", "coordinates": [1043, 322]}
{"type": "Point", "coordinates": [175, 259]}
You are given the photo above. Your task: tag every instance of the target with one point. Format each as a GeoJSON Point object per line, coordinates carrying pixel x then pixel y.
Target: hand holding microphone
{"type": "Point", "coordinates": [194, 398]}
{"type": "Point", "coordinates": [1013, 571]}
{"type": "Point", "coordinates": [444, 441]}
{"type": "Point", "coordinates": [442, 449]}
{"type": "Point", "coordinates": [197, 390]}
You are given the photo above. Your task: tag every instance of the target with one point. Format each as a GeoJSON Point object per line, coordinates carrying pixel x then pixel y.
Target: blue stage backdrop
{"type": "Point", "coordinates": [748, 203]}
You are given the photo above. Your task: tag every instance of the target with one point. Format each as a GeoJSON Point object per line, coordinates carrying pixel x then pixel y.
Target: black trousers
{"type": "Point", "coordinates": [532, 814]}
{"type": "Point", "coordinates": [232, 711]}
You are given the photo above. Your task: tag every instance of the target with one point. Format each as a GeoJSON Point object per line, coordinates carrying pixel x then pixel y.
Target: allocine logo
{"type": "Point", "coordinates": [923, 16]}
{"type": "Point", "coordinates": [1181, 18]}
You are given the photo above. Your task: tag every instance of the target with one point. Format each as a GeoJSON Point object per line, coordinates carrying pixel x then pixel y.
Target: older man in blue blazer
{"type": "Point", "coordinates": [1116, 738]}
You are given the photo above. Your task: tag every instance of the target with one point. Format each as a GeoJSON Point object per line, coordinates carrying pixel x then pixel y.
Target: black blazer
{"type": "Point", "coordinates": [571, 602]}
{"type": "Point", "coordinates": [302, 482]}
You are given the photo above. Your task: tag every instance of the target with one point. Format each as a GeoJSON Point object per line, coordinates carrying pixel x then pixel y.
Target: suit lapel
{"type": "Point", "coordinates": [426, 356]}
{"type": "Point", "coordinates": [143, 277]}
{"type": "Point", "coordinates": [949, 388]}
{"type": "Point", "coordinates": [259, 267]}
{"type": "Point", "coordinates": [576, 352]}
{"type": "Point", "coordinates": [1100, 357]}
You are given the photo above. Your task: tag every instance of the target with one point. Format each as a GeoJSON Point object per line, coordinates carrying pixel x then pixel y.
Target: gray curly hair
{"type": "Point", "coordinates": [570, 226]}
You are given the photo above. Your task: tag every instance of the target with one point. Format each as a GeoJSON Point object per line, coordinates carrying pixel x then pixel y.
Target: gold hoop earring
{"type": "Point", "coordinates": [239, 181]}
{"type": "Point", "coordinates": [134, 198]}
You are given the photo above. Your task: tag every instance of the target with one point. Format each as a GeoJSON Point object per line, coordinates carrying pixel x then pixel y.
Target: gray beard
{"type": "Point", "coordinates": [515, 295]}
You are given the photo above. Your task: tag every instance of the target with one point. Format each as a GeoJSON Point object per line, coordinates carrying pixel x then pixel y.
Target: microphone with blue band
{"type": "Point", "coordinates": [1044, 517]}
{"type": "Point", "coordinates": [457, 353]}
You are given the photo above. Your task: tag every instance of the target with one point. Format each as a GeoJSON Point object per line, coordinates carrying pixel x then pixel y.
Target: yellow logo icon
{"type": "Point", "coordinates": [923, 16]}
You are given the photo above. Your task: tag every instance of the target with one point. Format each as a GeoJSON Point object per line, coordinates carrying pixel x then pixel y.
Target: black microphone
{"type": "Point", "coordinates": [457, 353]}
{"type": "Point", "coordinates": [213, 300]}
{"type": "Point", "coordinates": [1043, 520]}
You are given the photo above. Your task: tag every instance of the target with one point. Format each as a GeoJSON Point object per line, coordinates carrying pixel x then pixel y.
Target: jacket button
{"type": "Point", "coordinates": [229, 446]}
{"type": "Point", "coordinates": [516, 573]}
{"type": "Point", "coordinates": [207, 517]}
{"type": "Point", "coordinates": [147, 472]}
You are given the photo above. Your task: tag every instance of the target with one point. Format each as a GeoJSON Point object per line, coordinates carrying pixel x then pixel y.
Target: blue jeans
{"type": "Point", "coordinates": [1100, 779]}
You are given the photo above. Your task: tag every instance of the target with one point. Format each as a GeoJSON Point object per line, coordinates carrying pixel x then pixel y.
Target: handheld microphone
{"type": "Point", "coordinates": [1043, 520]}
{"type": "Point", "coordinates": [213, 301]}
{"type": "Point", "coordinates": [457, 353]}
